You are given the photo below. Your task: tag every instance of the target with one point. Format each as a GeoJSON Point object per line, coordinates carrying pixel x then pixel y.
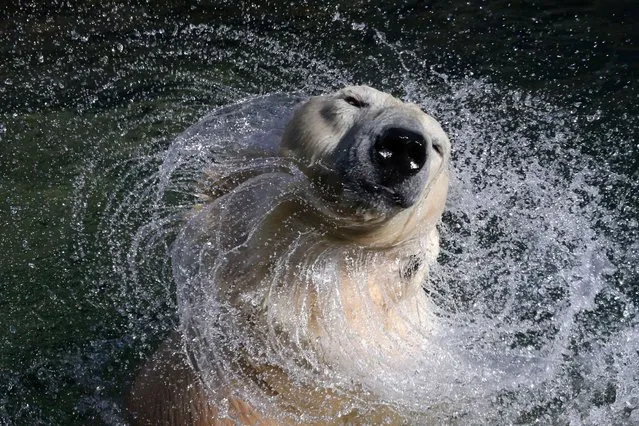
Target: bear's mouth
{"type": "Point", "coordinates": [381, 197]}
{"type": "Point", "coordinates": [372, 202]}
{"type": "Point", "coordinates": [362, 199]}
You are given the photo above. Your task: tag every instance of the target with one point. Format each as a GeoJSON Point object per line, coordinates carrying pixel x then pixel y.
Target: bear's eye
{"type": "Point", "coordinates": [352, 100]}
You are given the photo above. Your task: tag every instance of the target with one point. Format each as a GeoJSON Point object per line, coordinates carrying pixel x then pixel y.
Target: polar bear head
{"type": "Point", "coordinates": [381, 163]}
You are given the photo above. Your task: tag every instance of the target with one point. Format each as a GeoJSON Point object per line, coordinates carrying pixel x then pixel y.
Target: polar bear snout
{"type": "Point", "coordinates": [383, 162]}
{"type": "Point", "coordinates": [370, 154]}
{"type": "Point", "coordinates": [398, 154]}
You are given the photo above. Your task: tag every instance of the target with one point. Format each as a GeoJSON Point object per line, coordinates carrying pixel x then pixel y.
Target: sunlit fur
{"type": "Point", "coordinates": [333, 275]}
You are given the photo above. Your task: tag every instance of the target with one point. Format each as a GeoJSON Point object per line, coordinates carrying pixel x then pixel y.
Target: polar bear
{"type": "Point", "coordinates": [320, 288]}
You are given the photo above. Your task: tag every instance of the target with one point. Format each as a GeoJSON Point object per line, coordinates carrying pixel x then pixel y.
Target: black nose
{"type": "Point", "coordinates": [399, 154]}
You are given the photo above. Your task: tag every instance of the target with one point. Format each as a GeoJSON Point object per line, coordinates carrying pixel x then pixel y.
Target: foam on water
{"type": "Point", "coordinates": [522, 266]}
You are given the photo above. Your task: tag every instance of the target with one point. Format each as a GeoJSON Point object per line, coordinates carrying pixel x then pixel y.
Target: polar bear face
{"type": "Point", "coordinates": [377, 158]}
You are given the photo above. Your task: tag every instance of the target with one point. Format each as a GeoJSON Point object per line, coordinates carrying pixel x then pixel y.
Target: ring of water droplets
{"type": "Point", "coordinates": [522, 260]}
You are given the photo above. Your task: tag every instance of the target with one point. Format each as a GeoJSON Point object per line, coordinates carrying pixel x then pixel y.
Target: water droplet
{"type": "Point", "coordinates": [594, 117]}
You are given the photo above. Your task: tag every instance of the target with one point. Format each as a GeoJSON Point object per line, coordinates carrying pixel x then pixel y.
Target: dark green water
{"type": "Point", "coordinates": [90, 93]}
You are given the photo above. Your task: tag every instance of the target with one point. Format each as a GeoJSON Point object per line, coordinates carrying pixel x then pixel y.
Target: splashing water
{"type": "Point", "coordinates": [533, 310]}
{"type": "Point", "coordinates": [524, 263]}
{"type": "Point", "coordinates": [533, 301]}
